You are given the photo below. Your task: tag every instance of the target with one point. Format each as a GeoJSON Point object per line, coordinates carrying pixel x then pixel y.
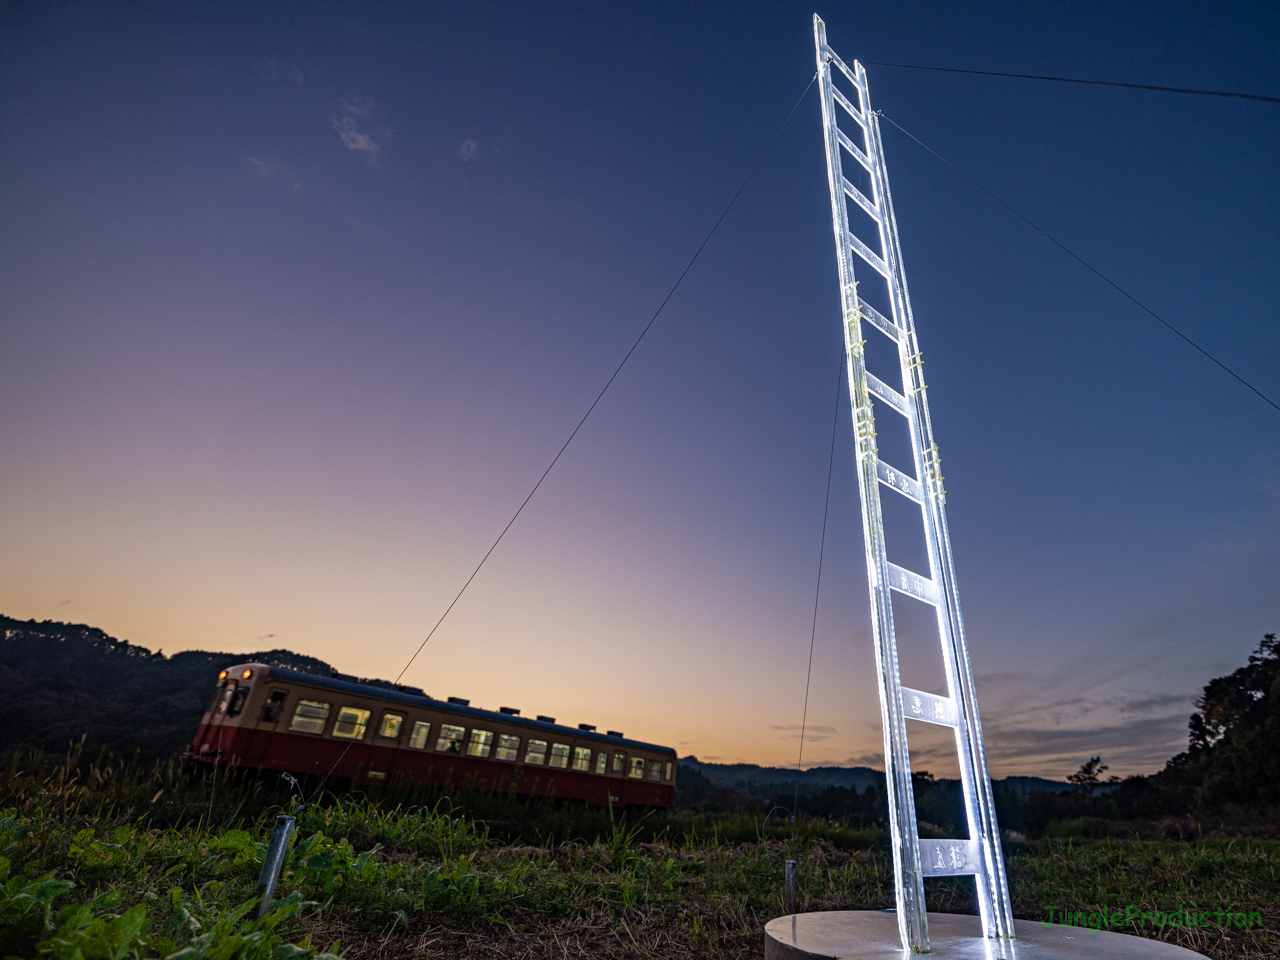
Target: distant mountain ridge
{"type": "Point", "coordinates": [68, 680]}
{"type": "Point", "coordinates": [754, 780]}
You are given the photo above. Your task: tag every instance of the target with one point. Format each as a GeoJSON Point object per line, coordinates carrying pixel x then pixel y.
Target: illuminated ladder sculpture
{"type": "Point", "coordinates": [913, 859]}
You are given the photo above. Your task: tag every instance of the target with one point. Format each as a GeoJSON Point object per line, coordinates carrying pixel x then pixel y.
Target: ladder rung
{"type": "Point", "coordinates": [880, 321]}
{"type": "Point", "coordinates": [928, 707]}
{"type": "Point", "coordinates": [858, 155]}
{"type": "Point", "coordinates": [845, 70]}
{"type": "Point", "coordinates": [912, 584]}
{"type": "Point", "coordinates": [949, 858]}
{"type": "Point", "coordinates": [865, 253]}
{"type": "Point", "coordinates": [849, 108]}
{"type": "Point", "coordinates": [889, 395]}
{"type": "Point", "coordinates": [856, 196]}
{"type": "Point", "coordinates": [899, 481]}
{"type": "Point", "coordinates": [845, 102]}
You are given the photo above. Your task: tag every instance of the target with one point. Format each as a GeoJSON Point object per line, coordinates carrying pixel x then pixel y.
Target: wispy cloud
{"type": "Point", "coordinates": [273, 170]}
{"type": "Point", "coordinates": [1003, 677]}
{"type": "Point", "coordinates": [874, 760]}
{"type": "Point", "coordinates": [812, 734]}
{"type": "Point", "coordinates": [267, 167]}
{"type": "Point", "coordinates": [350, 122]}
{"type": "Point", "coordinates": [1158, 702]}
{"type": "Point", "coordinates": [468, 150]}
{"type": "Point", "coordinates": [278, 69]}
{"type": "Point", "coordinates": [1137, 744]}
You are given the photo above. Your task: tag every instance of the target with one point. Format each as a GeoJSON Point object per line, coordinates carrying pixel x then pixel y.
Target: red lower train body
{"type": "Point", "coordinates": [248, 726]}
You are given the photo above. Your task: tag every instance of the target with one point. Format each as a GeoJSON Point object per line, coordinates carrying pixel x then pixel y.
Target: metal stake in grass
{"type": "Point", "coordinates": [274, 861]}
{"type": "Point", "coordinates": [791, 886]}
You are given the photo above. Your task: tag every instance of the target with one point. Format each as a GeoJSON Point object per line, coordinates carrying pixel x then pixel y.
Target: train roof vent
{"type": "Point", "coordinates": [587, 726]}
{"type": "Point", "coordinates": [405, 688]}
{"type": "Point", "coordinates": [335, 675]}
{"type": "Point", "coordinates": [546, 719]}
{"type": "Point", "coordinates": [615, 733]}
{"type": "Point", "coordinates": [509, 710]}
{"type": "Point", "coordinates": [460, 701]}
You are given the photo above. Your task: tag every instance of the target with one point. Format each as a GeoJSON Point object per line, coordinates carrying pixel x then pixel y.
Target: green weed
{"type": "Point", "coordinates": [91, 867]}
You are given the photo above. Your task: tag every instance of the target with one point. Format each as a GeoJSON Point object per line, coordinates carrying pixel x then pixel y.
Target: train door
{"type": "Point", "coordinates": [260, 746]}
{"type": "Point", "coordinates": [228, 704]}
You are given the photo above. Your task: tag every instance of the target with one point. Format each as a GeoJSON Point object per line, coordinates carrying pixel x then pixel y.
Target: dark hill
{"type": "Point", "coordinates": [751, 778]}
{"type": "Point", "coordinates": [767, 782]}
{"type": "Point", "coordinates": [64, 680]}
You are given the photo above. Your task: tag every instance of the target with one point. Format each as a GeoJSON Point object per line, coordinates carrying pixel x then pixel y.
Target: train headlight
{"type": "Point", "coordinates": [222, 675]}
{"type": "Point", "coordinates": [247, 674]}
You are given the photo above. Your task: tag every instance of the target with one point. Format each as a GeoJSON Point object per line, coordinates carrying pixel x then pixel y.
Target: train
{"type": "Point", "coordinates": [341, 728]}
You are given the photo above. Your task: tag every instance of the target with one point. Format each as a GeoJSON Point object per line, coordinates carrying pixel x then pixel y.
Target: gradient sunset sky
{"type": "Point", "coordinates": [297, 301]}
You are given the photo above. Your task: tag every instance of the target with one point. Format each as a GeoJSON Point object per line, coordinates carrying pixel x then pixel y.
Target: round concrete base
{"type": "Point", "coordinates": [837, 935]}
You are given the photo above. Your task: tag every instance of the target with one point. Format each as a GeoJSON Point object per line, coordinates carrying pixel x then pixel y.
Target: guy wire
{"type": "Point", "coordinates": [609, 382]}
{"type": "Point", "coordinates": [1091, 83]}
{"type": "Point", "coordinates": [817, 591]}
{"type": "Point", "coordinates": [1079, 259]}
{"type": "Point", "coordinates": [599, 397]}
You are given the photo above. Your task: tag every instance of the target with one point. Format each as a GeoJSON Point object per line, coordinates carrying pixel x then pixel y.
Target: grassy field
{"type": "Point", "coordinates": [102, 860]}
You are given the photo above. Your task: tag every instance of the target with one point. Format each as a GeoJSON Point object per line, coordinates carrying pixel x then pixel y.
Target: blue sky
{"type": "Point", "coordinates": [301, 300]}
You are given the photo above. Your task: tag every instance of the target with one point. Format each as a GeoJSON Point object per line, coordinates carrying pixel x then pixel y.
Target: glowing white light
{"type": "Point", "coordinates": [913, 859]}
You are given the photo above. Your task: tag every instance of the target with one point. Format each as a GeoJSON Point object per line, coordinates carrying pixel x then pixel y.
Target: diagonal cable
{"type": "Point", "coordinates": [1091, 83]}
{"type": "Point", "coordinates": [609, 382]}
{"type": "Point", "coordinates": [599, 397]}
{"type": "Point", "coordinates": [1084, 263]}
{"type": "Point", "coordinates": [817, 590]}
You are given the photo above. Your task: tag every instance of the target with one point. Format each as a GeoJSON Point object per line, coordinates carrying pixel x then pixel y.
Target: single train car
{"type": "Point", "coordinates": [270, 718]}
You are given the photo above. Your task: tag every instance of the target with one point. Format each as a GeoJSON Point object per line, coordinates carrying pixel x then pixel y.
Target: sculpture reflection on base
{"type": "Point", "coordinates": [873, 935]}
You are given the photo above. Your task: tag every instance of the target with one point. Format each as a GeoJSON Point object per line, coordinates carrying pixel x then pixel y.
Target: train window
{"type": "Point", "coordinates": [391, 724]}
{"type": "Point", "coordinates": [224, 697]}
{"type": "Point", "coordinates": [582, 759]}
{"type": "Point", "coordinates": [667, 774]}
{"type": "Point", "coordinates": [637, 768]}
{"type": "Point", "coordinates": [508, 747]}
{"type": "Point", "coordinates": [309, 717]}
{"type": "Point", "coordinates": [271, 712]}
{"type": "Point", "coordinates": [602, 762]}
{"type": "Point", "coordinates": [559, 756]}
{"type": "Point", "coordinates": [450, 740]}
{"type": "Point", "coordinates": [619, 761]}
{"type": "Point", "coordinates": [655, 770]}
{"type": "Point", "coordinates": [536, 752]}
{"type": "Point", "coordinates": [480, 744]}
{"type": "Point", "coordinates": [351, 723]}
{"type": "Point", "coordinates": [418, 739]}
{"type": "Point", "coordinates": [237, 701]}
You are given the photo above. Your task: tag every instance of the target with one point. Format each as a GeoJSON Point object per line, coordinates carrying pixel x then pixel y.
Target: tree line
{"type": "Point", "coordinates": [1231, 767]}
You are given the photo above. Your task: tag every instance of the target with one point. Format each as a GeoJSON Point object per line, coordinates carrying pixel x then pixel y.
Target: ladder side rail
{"type": "Point", "coordinates": [912, 918]}
{"type": "Point", "coordinates": [979, 814]}
{"type": "Point", "coordinates": [993, 896]}
{"type": "Point", "coordinates": [996, 896]}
